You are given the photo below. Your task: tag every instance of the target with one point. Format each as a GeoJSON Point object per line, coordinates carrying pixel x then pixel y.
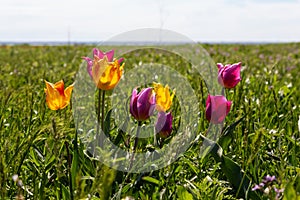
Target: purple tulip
{"type": "Point", "coordinates": [99, 54]}
{"type": "Point", "coordinates": [229, 75]}
{"type": "Point", "coordinates": [217, 108]}
{"type": "Point", "coordinates": [142, 104]}
{"type": "Point", "coordinates": [163, 125]}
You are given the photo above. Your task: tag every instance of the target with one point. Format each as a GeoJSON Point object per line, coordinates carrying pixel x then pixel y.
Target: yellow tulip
{"type": "Point", "coordinates": [163, 97]}
{"type": "Point", "coordinates": [105, 74]}
{"type": "Point", "coordinates": [56, 96]}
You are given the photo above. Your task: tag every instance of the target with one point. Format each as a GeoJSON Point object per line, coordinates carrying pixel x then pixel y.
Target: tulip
{"type": "Point", "coordinates": [142, 104]}
{"type": "Point", "coordinates": [163, 125]}
{"type": "Point", "coordinates": [163, 97]}
{"type": "Point", "coordinates": [229, 75]}
{"type": "Point", "coordinates": [104, 69]}
{"type": "Point", "coordinates": [217, 108]}
{"type": "Point", "coordinates": [56, 96]}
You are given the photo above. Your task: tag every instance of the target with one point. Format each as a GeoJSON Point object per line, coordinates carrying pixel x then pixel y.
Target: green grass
{"type": "Point", "coordinates": [266, 141]}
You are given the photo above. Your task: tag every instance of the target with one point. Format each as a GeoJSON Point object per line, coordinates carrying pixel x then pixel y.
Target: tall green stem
{"type": "Point", "coordinates": [69, 170]}
{"type": "Point", "coordinates": [135, 143]}
{"type": "Point", "coordinates": [103, 107]}
{"type": "Point", "coordinates": [98, 113]}
{"type": "Point", "coordinates": [99, 141]}
{"type": "Point", "coordinates": [223, 91]}
{"type": "Point", "coordinates": [101, 103]}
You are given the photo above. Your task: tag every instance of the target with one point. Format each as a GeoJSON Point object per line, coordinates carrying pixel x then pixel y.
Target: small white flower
{"type": "Point", "coordinates": [257, 102]}
{"type": "Point", "coordinates": [272, 131]}
{"type": "Point", "coordinates": [247, 81]}
{"type": "Point", "coordinates": [15, 177]}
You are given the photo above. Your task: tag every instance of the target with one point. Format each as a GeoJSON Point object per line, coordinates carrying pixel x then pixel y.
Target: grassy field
{"type": "Point", "coordinates": [260, 137]}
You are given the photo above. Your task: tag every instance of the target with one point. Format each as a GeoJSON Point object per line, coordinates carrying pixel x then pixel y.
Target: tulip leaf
{"type": "Point", "coordinates": [122, 132]}
{"type": "Point", "coordinates": [233, 172]}
{"type": "Point", "coordinates": [235, 176]}
{"type": "Point", "coordinates": [227, 134]}
{"type": "Point", "coordinates": [106, 127]}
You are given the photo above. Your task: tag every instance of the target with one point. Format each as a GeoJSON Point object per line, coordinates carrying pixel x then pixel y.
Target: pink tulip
{"type": "Point", "coordinates": [229, 75]}
{"type": "Point", "coordinates": [163, 125]}
{"type": "Point", "coordinates": [217, 108]}
{"type": "Point", "coordinates": [99, 54]}
{"type": "Point", "coordinates": [142, 104]}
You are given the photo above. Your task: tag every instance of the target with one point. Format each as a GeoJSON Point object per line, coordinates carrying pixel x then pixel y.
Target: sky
{"type": "Point", "coordinates": [200, 20]}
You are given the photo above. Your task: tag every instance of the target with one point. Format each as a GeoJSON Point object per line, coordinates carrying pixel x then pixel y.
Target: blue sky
{"type": "Point", "coordinates": [200, 20]}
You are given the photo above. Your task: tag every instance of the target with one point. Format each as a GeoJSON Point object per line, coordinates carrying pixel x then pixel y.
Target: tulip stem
{"type": "Point", "coordinates": [137, 135]}
{"type": "Point", "coordinates": [103, 106]}
{"type": "Point", "coordinates": [69, 170]}
{"type": "Point", "coordinates": [135, 142]}
{"type": "Point", "coordinates": [223, 91]}
{"type": "Point", "coordinates": [98, 120]}
{"type": "Point", "coordinates": [102, 100]}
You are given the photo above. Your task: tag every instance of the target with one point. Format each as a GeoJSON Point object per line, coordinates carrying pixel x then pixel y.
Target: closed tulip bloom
{"type": "Point", "coordinates": [163, 125]}
{"type": "Point", "coordinates": [217, 108]}
{"type": "Point", "coordinates": [163, 97]}
{"type": "Point", "coordinates": [104, 69]}
{"type": "Point", "coordinates": [142, 104]}
{"type": "Point", "coordinates": [229, 75]}
{"type": "Point", "coordinates": [56, 96]}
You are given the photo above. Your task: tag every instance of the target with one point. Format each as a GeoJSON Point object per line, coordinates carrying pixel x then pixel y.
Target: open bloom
{"type": "Point", "coordinates": [56, 96]}
{"type": "Point", "coordinates": [104, 69]}
{"type": "Point", "coordinates": [217, 108]}
{"type": "Point", "coordinates": [229, 75]}
{"type": "Point", "coordinates": [163, 125]}
{"type": "Point", "coordinates": [142, 104]}
{"type": "Point", "coordinates": [163, 97]}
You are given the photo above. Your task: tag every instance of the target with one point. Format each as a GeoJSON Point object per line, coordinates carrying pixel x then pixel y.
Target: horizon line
{"type": "Point", "coordinates": [58, 42]}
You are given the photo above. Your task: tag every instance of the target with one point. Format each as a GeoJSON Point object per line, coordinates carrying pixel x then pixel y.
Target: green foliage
{"type": "Point", "coordinates": [260, 136]}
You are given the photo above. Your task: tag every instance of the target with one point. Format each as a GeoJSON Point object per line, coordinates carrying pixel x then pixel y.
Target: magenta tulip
{"type": "Point", "coordinates": [217, 108]}
{"type": "Point", "coordinates": [142, 104]}
{"type": "Point", "coordinates": [229, 75]}
{"type": "Point", "coordinates": [99, 54]}
{"type": "Point", "coordinates": [163, 125]}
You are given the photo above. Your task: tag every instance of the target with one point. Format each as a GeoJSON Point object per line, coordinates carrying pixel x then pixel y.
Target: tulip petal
{"type": "Point", "coordinates": [99, 67]}
{"type": "Point", "coordinates": [163, 124]}
{"type": "Point", "coordinates": [110, 55]}
{"type": "Point", "coordinates": [52, 96]}
{"type": "Point", "coordinates": [67, 95]}
{"type": "Point", "coordinates": [89, 65]}
{"type": "Point", "coordinates": [120, 60]}
{"type": "Point", "coordinates": [217, 108]}
{"type": "Point", "coordinates": [163, 97]}
{"type": "Point", "coordinates": [220, 66]}
{"type": "Point", "coordinates": [152, 102]}
{"type": "Point", "coordinates": [143, 104]}
{"type": "Point", "coordinates": [229, 103]}
{"type": "Point", "coordinates": [59, 86]}
{"type": "Point", "coordinates": [208, 108]}
{"type": "Point", "coordinates": [133, 103]}
{"type": "Point", "coordinates": [96, 52]}
{"type": "Point", "coordinates": [231, 75]}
